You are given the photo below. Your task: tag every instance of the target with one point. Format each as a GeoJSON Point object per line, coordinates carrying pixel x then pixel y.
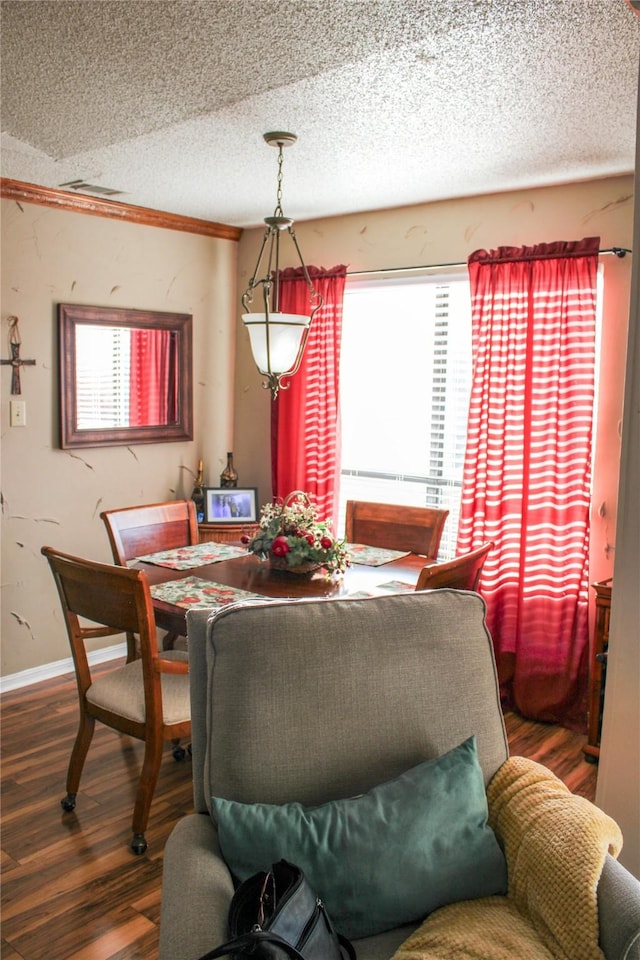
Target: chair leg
{"type": "Point", "coordinates": [132, 647]}
{"type": "Point", "coordinates": [169, 641]}
{"type": "Point", "coordinates": [76, 762]}
{"type": "Point", "coordinates": [144, 795]}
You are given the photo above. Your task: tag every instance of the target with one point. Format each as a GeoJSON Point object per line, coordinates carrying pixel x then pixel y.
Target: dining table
{"type": "Point", "coordinates": [238, 575]}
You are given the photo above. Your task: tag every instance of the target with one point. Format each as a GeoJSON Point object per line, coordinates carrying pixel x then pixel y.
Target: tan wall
{"type": "Point", "coordinates": [448, 232]}
{"type": "Point", "coordinates": [618, 790]}
{"type": "Point", "coordinates": [53, 496]}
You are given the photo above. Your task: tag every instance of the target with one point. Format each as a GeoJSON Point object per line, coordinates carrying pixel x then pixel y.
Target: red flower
{"type": "Point", "coordinates": [326, 543]}
{"type": "Point", "coordinates": [310, 539]}
{"type": "Point", "coordinates": [280, 547]}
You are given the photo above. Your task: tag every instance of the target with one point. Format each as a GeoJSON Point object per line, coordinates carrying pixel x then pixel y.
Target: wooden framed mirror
{"type": "Point", "coordinates": [125, 376]}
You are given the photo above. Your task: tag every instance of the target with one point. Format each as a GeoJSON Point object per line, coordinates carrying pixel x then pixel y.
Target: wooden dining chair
{"type": "Point", "coordinates": [147, 698]}
{"type": "Point", "coordinates": [136, 531]}
{"type": "Point", "coordinates": [416, 529]}
{"type": "Point", "coordinates": [461, 573]}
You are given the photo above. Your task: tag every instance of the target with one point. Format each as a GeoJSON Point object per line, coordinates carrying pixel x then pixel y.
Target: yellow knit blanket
{"type": "Point", "coordinates": [555, 845]}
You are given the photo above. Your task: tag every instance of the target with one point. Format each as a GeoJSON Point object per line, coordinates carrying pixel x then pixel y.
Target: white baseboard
{"type": "Point", "coordinates": [48, 670]}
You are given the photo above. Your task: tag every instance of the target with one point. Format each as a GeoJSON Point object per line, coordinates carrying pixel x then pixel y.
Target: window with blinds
{"type": "Point", "coordinates": [405, 379]}
{"type": "Point", "coordinates": [102, 376]}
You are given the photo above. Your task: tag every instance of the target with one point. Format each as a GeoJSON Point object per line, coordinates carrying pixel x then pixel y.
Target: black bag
{"type": "Point", "coordinates": [275, 915]}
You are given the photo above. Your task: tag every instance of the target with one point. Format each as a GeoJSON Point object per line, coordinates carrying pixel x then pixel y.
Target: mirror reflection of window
{"type": "Point", "coordinates": [125, 377]}
{"type": "Point", "coordinates": [102, 376]}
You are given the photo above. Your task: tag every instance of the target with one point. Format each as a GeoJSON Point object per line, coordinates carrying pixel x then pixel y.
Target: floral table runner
{"type": "Point", "coordinates": [374, 556]}
{"type": "Point", "coordinates": [397, 586]}
{"type": "Point", "coordinates": [183, 558]}
{"type": "Point", "coordinates": [393, 586]}
{"type": "Point", "coordinates": [194, 593]}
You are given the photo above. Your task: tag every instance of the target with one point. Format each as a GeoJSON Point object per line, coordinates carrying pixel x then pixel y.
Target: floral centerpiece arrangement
{"type": "Point", "coordinates": [292, 538]}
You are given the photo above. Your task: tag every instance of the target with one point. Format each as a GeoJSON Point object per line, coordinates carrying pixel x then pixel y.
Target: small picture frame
{"type": "Point", "coordinates": [230, 504]}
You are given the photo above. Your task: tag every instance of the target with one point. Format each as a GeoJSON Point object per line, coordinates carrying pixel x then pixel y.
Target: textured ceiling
{"type": "Point", "coordinates": [393, 101]}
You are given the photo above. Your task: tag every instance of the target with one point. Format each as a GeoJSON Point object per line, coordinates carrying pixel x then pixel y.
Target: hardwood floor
{"type": "Point", "coordinates": [72, 889]}
{"type": "Point", "coordinates": [556, 748]}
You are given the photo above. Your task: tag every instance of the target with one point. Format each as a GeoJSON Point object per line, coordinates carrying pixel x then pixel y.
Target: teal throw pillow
{"type": "Point", "coordinates": [385, 858]}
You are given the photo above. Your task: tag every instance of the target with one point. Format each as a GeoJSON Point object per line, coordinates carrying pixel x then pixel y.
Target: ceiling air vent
{"type": "Point", "coordinates": [83, 187]}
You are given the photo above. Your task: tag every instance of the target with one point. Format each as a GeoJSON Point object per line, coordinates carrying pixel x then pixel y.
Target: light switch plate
{"type": "Point", "coordinates": [17, 413]}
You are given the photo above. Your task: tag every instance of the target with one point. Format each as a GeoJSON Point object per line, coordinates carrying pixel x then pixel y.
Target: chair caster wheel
{"type": "Point", "coordinates": [179, 753]}
{"type": "Point", "coordinates": [68, 803]}
{"type": "Point", "coordinates": [138, 844]}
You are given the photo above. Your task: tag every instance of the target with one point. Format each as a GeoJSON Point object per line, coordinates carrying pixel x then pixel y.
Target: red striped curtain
{"type": "Point", "coordinates": [527, 471]}
{"type": "Point", "coordinates": [153, 393]}
{"type": "Point", "coordinates": [305, 419]}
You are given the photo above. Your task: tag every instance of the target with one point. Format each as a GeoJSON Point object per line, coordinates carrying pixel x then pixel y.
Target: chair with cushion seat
{"type": "Point", "coordinates": [356, 737]}
{"type": "Point", "coordinates": [147, 698]}
{"type": "Point", "coordinates": [461, 573]}
{"type": "Point", "coordinates": [415, 529]}
{"type": "Point", "coordinates": [137, 531]}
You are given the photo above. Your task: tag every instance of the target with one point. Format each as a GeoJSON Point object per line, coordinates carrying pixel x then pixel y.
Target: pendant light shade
{"type": "Point", "coordinates": [277, 339]}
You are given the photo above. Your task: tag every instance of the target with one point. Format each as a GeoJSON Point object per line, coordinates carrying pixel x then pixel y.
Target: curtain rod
{"type": "Point", "coordinates": [616, 251]}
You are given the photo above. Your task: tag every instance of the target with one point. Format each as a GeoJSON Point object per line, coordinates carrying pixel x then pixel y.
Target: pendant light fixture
{"type": "Point", "coordinates": [277, 339]}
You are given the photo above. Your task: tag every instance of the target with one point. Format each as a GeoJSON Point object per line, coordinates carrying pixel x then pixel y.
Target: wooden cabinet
{"type": "Point", "coordinates": [225, 532]}
{"type": "Point", "coordinates": [598, 669]}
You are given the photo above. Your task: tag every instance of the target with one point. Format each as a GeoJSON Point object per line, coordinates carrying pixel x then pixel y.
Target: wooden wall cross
{"type": "Point", "coordinates": [16, 362]}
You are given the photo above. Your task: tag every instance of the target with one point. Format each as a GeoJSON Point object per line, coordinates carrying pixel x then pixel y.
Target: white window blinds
{"type": "Point", "coordinates": [404, 387]}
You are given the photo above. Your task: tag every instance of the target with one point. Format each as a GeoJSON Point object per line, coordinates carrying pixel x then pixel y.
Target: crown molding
{"type": "Point", "coordinates": [97, 207]}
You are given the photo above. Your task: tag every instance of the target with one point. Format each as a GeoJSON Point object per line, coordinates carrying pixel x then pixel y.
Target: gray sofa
{"type": "Point", "coordinates": [318, 700]}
